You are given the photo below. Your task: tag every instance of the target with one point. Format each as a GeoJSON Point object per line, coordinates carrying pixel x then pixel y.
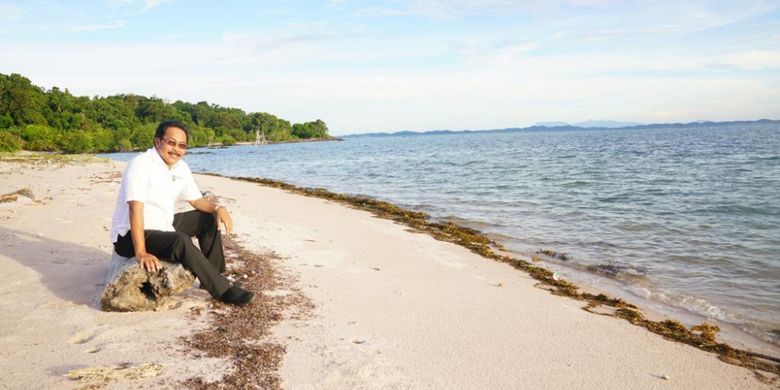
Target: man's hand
{"type": "Point", "coordinates": [148, 261]}
{"type": "Point", "coordinates": [221, 214]}
{"type": "Point", "coordinates": [223, 217]}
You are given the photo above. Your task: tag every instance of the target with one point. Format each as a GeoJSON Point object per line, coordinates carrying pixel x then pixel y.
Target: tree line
{"type": "Point", "coordinates": [33, 118]}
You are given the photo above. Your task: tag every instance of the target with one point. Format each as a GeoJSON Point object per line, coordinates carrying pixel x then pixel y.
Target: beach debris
{"type": "Point", "coordinates": [110, 177]}
{"type": "Point", "coordinates": [497, 284]}
{"type": "Point", "coordinates": [665, 377]}
{"type": "Point", "coordinates": [599, 309]}
{"type": "Point", "coordinates": [13, 196]}
{"type": "Point", "coordinates": [131, 288]}
{"type": "Point", "coordinates": [556, 276]}
{"type": "Point", "coordinates": [111, 373]}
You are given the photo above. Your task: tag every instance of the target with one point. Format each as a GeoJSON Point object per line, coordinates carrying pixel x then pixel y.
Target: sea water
{"type": "Point", "coordinates": [685, 217]}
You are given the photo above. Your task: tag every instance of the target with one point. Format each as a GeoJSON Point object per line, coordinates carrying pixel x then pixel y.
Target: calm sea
{"type": "Point", "coordinates": [685, 218]}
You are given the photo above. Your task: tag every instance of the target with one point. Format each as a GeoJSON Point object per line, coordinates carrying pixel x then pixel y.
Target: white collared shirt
{"type": "Point", "coordinates": [148, 179]}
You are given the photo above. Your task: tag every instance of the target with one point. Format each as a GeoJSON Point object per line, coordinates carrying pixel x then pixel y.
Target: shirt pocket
{"type": "Point", "coordinates": [177, 185]}
{"type": "Point", "coordinates": [161, 188]}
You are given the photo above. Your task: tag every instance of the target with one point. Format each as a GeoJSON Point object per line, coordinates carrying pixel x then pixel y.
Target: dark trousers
{"type": "Point", "coordinates": [207, 263]}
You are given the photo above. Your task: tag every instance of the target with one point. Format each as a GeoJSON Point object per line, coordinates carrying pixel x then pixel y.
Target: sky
{"type": "Point", "coordinates": [369, 66]}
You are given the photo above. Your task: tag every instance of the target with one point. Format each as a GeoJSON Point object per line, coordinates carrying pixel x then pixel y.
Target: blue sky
{"type": "Point", "coordinates": [365, 66]}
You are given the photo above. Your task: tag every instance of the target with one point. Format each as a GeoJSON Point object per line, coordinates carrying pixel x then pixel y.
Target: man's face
{"type": "Point", "coordinates": [168, 146]}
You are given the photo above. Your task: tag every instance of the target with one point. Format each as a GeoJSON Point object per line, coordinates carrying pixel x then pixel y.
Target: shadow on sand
{"type": "Point", "coordinates": [70, 271]}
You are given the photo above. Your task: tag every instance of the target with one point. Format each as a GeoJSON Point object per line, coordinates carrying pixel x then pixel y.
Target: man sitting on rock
{"type": "Point", "coordinates": [145, 225]}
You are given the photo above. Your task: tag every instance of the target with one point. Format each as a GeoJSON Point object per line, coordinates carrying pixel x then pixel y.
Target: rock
{"type": "Point", "coordinates": [130, 288]}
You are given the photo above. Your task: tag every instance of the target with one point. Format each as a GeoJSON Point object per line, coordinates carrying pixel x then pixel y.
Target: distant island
{"type": "Point", "coordinates": [601, 124]}
{"type": "Point", "coordinates": [32, 118]}
{"type": "Point", "coordinates": [563, 126]}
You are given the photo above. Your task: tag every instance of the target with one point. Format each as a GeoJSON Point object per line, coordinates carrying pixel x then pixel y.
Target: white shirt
{"type": "Point", "coordinates": [148, 179]}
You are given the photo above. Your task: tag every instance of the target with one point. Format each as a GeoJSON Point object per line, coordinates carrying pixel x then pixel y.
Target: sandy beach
{"type": "Point", "coordinates": [391, 308]}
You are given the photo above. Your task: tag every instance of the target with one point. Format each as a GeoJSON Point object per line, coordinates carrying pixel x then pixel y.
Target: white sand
{"type": "Point", "coordinates": [394, 309]}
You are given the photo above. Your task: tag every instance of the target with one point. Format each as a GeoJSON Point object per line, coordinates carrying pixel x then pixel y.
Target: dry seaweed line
{"type": "Point", "coordinates": [240, 333]}
{"type": "Point", "coordinates": [700, 336]}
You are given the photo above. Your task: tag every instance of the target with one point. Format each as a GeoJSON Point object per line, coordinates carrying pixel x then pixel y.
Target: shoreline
{"type": "Point", "coordinates": [392, 307]}
{"type": "Point", "coordinates": [730, 333]}
{"type": "Point", "coordinates": [654, 321]}
{"type": "Point", "coordinates": [671, 304]}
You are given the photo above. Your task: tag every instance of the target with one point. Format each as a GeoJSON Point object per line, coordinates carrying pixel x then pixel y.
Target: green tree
{"type": "Point", "coordinates": [6, 120]}
{"type": "Point", "coordinates": [22, 100]}
{"type": "Point", "coordinates": [56, 120]}
{"type": "Point", "coordinates": [9, 142]}
{"type": "Point", "coordinates": [37, 137]}
{"type": "Point", "coordinates": [198, 137]}
{"type": "Point", "coordinates": [103, 140]}
{"type": "Point", "coordinates": [60, 110]}
{"type": "Point", "coordinates": [124, 145]}
{"type": "Point", "coordinates": [316, 129]}
{"type": "Point", "coordinates": [75, 142]}
{"type": "Point", "coordinates": [154, 110]}
{"type": "Point", "coordinates": [238, 135]}
{"type": "Point", "coordinates": [142, 136]}
{"type": "Point", "coordinates": [227, 140]}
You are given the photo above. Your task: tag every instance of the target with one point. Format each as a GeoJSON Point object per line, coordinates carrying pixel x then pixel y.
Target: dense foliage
{"type": "Point", "coordinates": [35, 119]}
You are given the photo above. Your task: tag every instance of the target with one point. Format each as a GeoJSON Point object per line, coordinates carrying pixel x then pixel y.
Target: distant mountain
{"type": "Point", "coordinates": [605, 124]}
{"type": "Point", "coordinates": [551, 124]}
{"type": "Point", "coordinates": [563, 126]}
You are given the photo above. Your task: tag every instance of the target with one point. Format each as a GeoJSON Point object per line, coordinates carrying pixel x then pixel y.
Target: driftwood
{"type": "Point", "coordinates": [12, 196]}
{"type": "Point", "coordinates": [130, 288]}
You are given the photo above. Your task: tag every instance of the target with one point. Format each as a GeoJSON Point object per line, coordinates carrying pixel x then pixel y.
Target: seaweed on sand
{"type": "Point", "coordinates": [240, 333]}
{"type": "Point", "coordinates": [701, 336]}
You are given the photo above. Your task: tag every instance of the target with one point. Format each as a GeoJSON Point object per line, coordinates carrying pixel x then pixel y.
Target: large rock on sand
{"type": "Point", "coordinates": [130, 288]}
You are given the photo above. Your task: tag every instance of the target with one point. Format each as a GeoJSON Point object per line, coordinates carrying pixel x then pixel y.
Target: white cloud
{"type": "Point", "coordinates": [149, 4]}
{"type": "Point", "coordinates": [754, 59]}
{"type": "Point", "coordinates": [142, 5]}
{"type": "Point", "coordinates": [97, 27]}
{"type": "Point", "coordinates": [371, 80]}
{"type": "Point", "coordinates": [516, 93]}
{"type": "Point", "coordinates": [10, 12]}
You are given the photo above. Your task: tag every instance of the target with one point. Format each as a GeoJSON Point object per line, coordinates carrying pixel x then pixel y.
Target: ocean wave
{"type": "Point", "coordinates": [689, 303]}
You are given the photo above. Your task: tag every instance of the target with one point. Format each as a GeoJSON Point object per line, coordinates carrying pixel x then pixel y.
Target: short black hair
{"type": "Point", "coordinates": [164, 125]}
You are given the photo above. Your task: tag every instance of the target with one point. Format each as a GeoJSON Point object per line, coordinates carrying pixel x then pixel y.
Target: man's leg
{"type": "Point", "coordinates": [178, 247]}
{"type": "Point", "coordinates": [203, 226]}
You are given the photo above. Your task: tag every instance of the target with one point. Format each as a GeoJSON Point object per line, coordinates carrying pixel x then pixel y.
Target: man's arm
{"type": "Point", "coordinates": [220, 212]}
{"type": "Point", "coordinates": [147, 261]}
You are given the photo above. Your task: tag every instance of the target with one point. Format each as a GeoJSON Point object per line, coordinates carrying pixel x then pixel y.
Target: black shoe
{"type": "Point", "coordinates": [237, 296]}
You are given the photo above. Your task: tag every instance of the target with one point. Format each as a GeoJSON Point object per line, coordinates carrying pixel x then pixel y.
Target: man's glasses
{"type": "Point", "coordinates": [173, 143]}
